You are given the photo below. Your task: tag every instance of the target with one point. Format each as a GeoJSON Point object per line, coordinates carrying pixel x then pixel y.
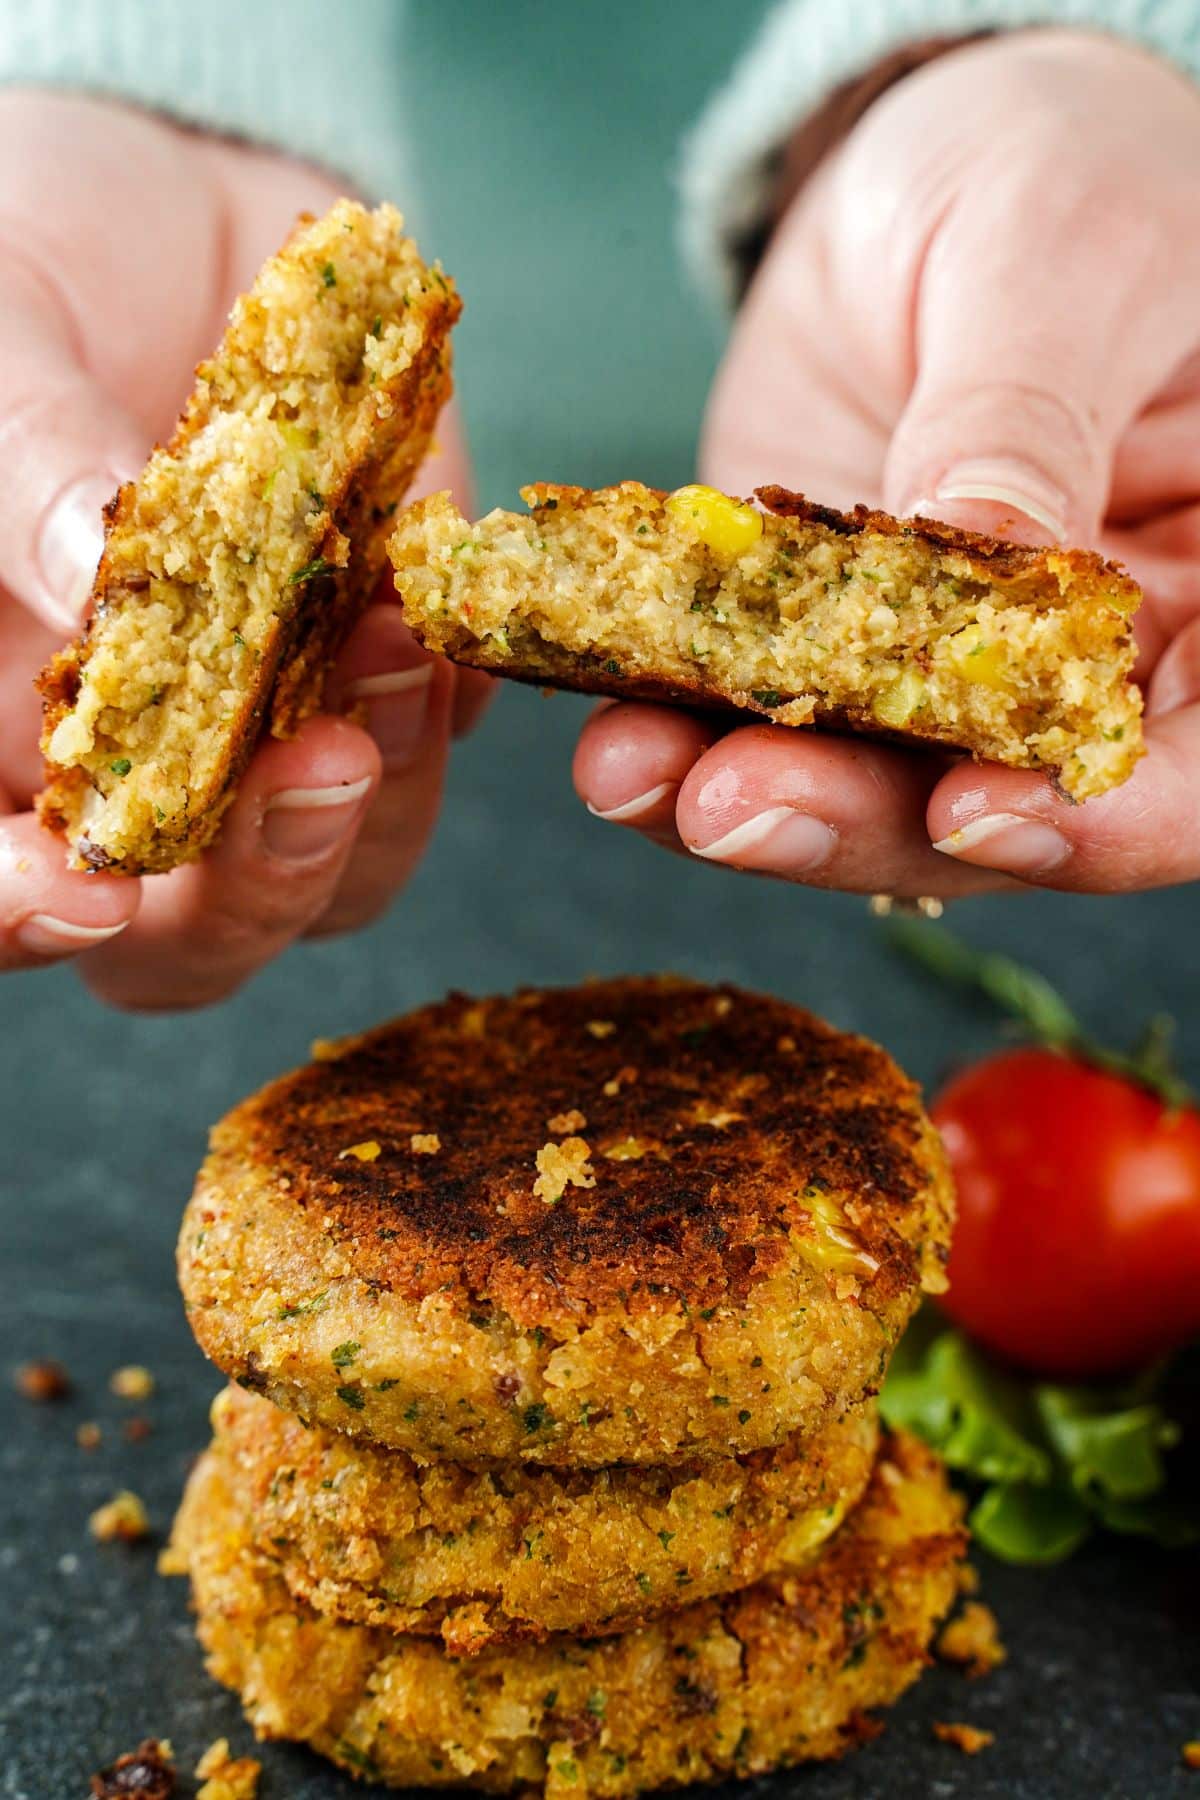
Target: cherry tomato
{"type": "Point", "coordinates": [1077, 1249]}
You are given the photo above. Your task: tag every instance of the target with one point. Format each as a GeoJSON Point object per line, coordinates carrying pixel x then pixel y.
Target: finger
{"type": "Point", "coordinates": [631, 761]}
{"type": "Point", "coordinates": [67, 446]}
{"type": "Point", "coordinates": [1143, 834]}
{"type": "Point", "coordinates": [1029, 370]}
{"type": "Point", "coordinates": [47, 911]}
{"type": "Point", "coordinates": [403, 697]}
{"type": "Point", "coordinates": [205, 928]}
{"type": "Point", "coordinates": [828, 811]}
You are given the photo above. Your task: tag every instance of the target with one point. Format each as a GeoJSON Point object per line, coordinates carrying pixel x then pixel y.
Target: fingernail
{"type": "Point", "coordinates": [1008, 483]}
{"type": "Point", "coordinates": [1009, 842]}
{"type": "Point", "coordinates": [69, 544]}
{"type": "Point", "coordinates": [44, 935]}
{"type": "Point", "coordinates": [781, 838]}
{"type": "Point", "coordinates": [395, 708]}
{"type": "Point", "coordinates": [634, 809]}
{"type": "Point", "coordinates": [301, 824]}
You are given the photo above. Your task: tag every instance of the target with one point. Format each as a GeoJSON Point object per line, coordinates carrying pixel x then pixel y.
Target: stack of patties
{"type": "Point", "coordinates": [552, 1459]}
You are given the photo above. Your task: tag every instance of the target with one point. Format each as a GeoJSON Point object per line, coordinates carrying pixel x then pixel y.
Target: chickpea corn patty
{"type": "Point", "coordinates": [797, 613]}
{"type": "Point", "coordinates": [640, 1221]}
{"type": "Point", "coordinates": [783, 1672]}
{"type": "Point", "coordinates": [517, 1551]}
{"type": "Point", "coordinates": [240, 557]}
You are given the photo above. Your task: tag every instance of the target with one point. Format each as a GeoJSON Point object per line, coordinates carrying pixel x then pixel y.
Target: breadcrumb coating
{"type": "Point", "coordinates": [784, 1672]}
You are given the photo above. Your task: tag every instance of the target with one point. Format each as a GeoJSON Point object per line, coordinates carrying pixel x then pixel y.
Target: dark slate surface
{"type": "Point", "coordinates": [571, 372]}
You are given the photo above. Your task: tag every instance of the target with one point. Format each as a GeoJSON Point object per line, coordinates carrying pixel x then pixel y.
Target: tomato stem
{"type": "Point", "coordinates": [1029, 998]}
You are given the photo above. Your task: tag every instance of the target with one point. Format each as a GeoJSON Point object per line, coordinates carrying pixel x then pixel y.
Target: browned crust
{"type": "Point", "coordinates": [703, 1216]}
{"type": "Point", "coordinates": [315, 618]}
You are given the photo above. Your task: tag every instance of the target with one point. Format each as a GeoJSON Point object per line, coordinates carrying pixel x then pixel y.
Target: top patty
{"type": "Point", "coordinates": [637, 1220]}
{"type": "Point", "coordinates": [245, 550]}
{"type": "Point", "coordinates": [900, 627]}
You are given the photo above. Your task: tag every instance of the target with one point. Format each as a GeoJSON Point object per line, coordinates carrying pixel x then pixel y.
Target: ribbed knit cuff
{"type": "Point", "coordinates": [316, 78]}
{"type": "Point", "coordinates": [809, 47]}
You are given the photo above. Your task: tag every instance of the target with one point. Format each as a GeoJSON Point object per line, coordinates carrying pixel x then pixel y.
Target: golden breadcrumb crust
{"type": "Point", "coordinates": [781, 1673]}
{"type": "Point", "coordinates": [726, 1252]}
{"type": "Point", "coordinates": [516, 1552]}
{"type": "Point", "coordinates": [237, 562]}
{"type": "Point", "coordinates": [899, 627]}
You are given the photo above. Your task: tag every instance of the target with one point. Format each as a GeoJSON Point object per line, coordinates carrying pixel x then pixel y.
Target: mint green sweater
{"type": "Point", "coordinates": [323, 78]}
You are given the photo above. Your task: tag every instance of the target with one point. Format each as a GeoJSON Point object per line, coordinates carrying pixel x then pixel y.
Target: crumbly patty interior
{"type": "Point", "coordinates": [781, 1673]}
{"type": "Point", "coordinates": [515, 1552]}
{"type": "Point", "coordinates": [1021, 657]}
{"type": "Point", "coordinates": [663, 1221]}
{"type": "Point", "coordinates": [269, 506]}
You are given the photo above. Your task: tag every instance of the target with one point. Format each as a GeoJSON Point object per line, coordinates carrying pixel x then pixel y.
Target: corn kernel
{"type": "Point", "coordinates": [977, 660]}
{"type": "Point", "coordinates": [727, 526]}
{"type": "Point", "coordinates": [897, 703]}
{"type": "Point", "coordinates": [833, 1245]}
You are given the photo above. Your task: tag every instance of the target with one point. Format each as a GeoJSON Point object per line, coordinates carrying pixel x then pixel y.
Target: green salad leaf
{"type": "Point", "coordinates": [1054, 1462]}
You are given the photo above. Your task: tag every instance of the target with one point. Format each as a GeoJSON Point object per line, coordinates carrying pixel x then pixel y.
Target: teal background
{"type": "Point", "coordinates": [550, 135]}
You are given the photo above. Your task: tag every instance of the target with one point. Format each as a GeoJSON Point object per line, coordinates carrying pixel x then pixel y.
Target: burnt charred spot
{"type": "Point", "coordinates": [700, 1166]}
{"type": "Point", "coordinates": [694, 1699]}
{"type": "Point", "coordinates": [144, 1772]}
{"type": "Point", "coordinates": [578, 1728]}
{"type": "Point", "coordinates": [93, 856]}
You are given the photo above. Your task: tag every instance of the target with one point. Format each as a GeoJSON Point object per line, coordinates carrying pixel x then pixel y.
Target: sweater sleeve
{"type": "Point", "coordinates": [807, 48]}
{"type": "Point", "coordinates": [319, 81]}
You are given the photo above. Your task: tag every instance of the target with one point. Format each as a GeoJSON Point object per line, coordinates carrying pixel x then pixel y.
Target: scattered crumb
{"type": "Point", "coordinates": [628, 1149]}
{"type": "Point", "coordinates": [1191, 1754]}
{"type": "Point", "coordinates": [136, 1429]}
{"type": "Point", "coordinates": [324, 1050]}
{"type": "Point", "coordinates": [227, 1777]}
{"type": "Point", "coordinates": [601, 1028]}
{"type": "Point", "coordinates": [624, 1077]}
{"type": "Point", "coordinates": [365, 1152]}
{"type": "Point", "coordinates": [967, 1738]}
{"type": "Point", "coordinates": [147, 1773]}
{"type": "Point", "coordinates": [973, 1640]}
{"type": "Point", "coordinates": [846, 1287]}
{"type": "Point", "coordinates": [561, 1166]}
{"type": "Point", "coordinates": [968, 1578]}
{"type": "Point", "coordinates": [88, 1435]}
{"type": "Point", "coordinates": [564, 1122]}
{"type": "Point", "coordinates": [42, 1381]}
{"type": "Point", "coordinates": [425, 1143]}
{"type": "Point", "coordinates": [132, 1382]}
{"type": "Point", "coordinates": [122, 1517]}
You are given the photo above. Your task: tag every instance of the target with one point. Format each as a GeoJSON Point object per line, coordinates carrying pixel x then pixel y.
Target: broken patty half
{"type": "Point", "coordinates": [798, 613]}
{"type": "Point", "coordinates": [236, 563]}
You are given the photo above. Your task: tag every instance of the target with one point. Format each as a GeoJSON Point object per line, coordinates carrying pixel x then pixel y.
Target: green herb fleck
{"type": "Point", "coordinates": [744, 1416]}
{"type": "Point", "coordinates": [644, 1582]}
{"type": "Point", "coordinates": [596, 1703]}
{"type": "Point", "coordinates": [377, 326]}
{"type": "Point", "coordinates": [386, 1386]}
{"type": "Point", "coordinates": [568, 1768]}
{"type": "Point", "coordinates": [766, 696]}
{"type": "Point", "coordinates": [121, 766]}
{"type": "Point", "coordinates": [351, 1397]}
{"type": "Point", "coordinates": [719, 1399]}
{"type": "Point", "coordinates": [412, 1412]}
{"type": "Point", "coordinates": [310, 571]}
{"type": "Point", "coordinates": [537, 1417]}
{"type": "Point", "coordinates": [344, 1354]}
{"type": "Point", "coordinates": [329, 275]}
{"type": "Point", "coordinates": [303, 1306]}
{"type": "Point", "coordinates": [664, 1538]}
{"type": "Point", "coordinates": [239, 640]}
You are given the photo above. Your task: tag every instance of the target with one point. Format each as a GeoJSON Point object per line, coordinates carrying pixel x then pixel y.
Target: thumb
{"type": "Point", "coordinates": [1028, 371]}
{"type": "Point", "coordinates": [67, 447]}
